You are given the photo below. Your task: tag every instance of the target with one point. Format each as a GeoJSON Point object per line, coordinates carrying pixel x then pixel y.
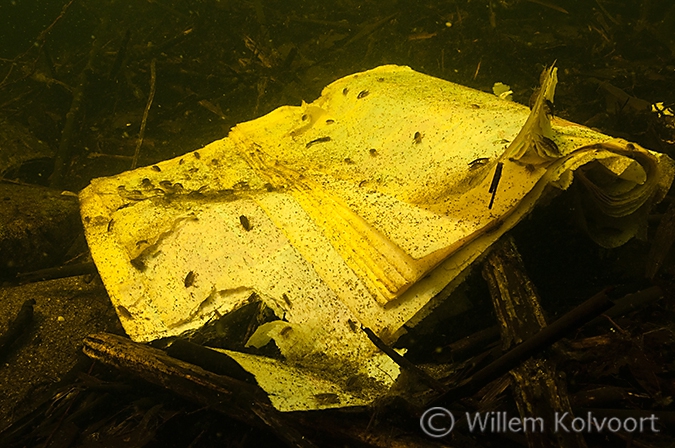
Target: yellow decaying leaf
{"type": "Point", "coordinates": [364, 207]}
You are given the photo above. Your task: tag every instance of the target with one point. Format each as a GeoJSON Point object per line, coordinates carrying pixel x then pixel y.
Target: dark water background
{"type": "Point", "coordinates": [223, 62]}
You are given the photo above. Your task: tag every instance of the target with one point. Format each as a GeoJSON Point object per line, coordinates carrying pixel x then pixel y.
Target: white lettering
{"type": "Point", "coordinates": [598, 425]}
{"type": "Point", "coordinates": [477, 423]}
{"type": "Point", "coordinates": [653, 418]}
{"type": "Point", "coordinates": [515, 424]}
{"type": "Point", "coordinates": [634, 423]}
{"type": "Point", "coordinates": [533, 426]}
{"type": "Point", "coordinates": [611, 426]}
{"type": "Point", "coordinates": [499, 422]}
{"type": "Point", "coordinates": [430, 424]}
{"type": "Point", "coordinates": [558, 423]}
{"type": "Point", "coordinates": [580, 421]}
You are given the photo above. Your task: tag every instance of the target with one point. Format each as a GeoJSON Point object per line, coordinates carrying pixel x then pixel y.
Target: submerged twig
{"type": "Point", "coordinates": [151, 96]}
{"type": "Point", "coordinates": [629, 303]}
{"type": "Point", "coordinates": [70, 270]}
{"type": "Point", "coordinates": [63, 154]}
{"type": "Point", "coordinates": [402, 362]}
{"type": "Point", "coordinates": [495, 183]}
{"type": "Point", "coordinates": [532, 345]}
{"type": "Point", "coordinates": [237, 399]}
{"type": "Point", "coordinates": [549, 5]}
{"type": "Point", "coordinates": [536, 385]}
{"type": "Point", "coordinates": [369, 29]}
{"type": "Point", "coordinates": [121, 55]}
{"type": "Point", "coordinates": [39, 42]}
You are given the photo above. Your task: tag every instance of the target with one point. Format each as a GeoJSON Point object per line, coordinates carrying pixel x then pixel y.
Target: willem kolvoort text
{"type": "Point", "coordinates": [562, 422]}
{"type": "Point", "coordinates": [439, 422]}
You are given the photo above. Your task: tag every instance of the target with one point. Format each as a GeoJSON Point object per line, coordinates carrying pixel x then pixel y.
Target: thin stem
{"type": "Point", "coordinates": [141, 134]}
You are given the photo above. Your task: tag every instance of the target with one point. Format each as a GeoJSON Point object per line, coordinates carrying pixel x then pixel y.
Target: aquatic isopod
{"type": "Point", "coordinates": [325, 399]}
{"type": "Point", "coordinates": [245, 223]}
{"type": "Point", "coordinates": [122, 311]}
{"type": "Point", "coordinates": [352, 325]}
{"type": "Point", "coordinates": [550, 145]}
{"type": "Point", "coordinates": [241, 185]}
{"type": "Point", "coordinates": [493, 227]}
{"type": "Point", "coordinates": [550, 108]}
{"type": "Point", "coordinates": [317, 140]}
{"type": "Point", "coordinates": [478, 162]}
{"type": "Point", "coordinates": [189, 279]}
{"type": "Point", "coordinates": [417, 138]}
{"type": "Point", "coordinates": [362, 94]}
{"type": "Point", "coordinates": [138, 264]}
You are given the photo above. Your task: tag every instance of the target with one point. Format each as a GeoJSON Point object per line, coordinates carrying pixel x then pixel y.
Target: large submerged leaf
{"type": "Point", "coordinates": [365, 207]}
